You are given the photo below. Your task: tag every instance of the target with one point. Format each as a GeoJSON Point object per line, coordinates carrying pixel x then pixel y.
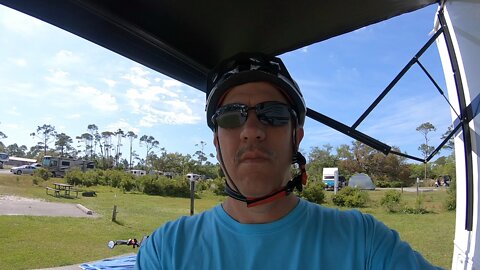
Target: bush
{"type": "Point", "coordinates": [451, 201]}
{"type": "Point", "coordinates": [351, 197]}
{"type": "Point", "coordinates": [74, 177]}
{"type": "Point", "coordinates": [94, 177]}
{"type": "Point", "coordinates": [164, 186]}
{"type": "Point", "coordinates": [388, 184]}
{"type": "Point", "coordinates": [218, 186]}
{"type": "Point", "coordinates": [392, 201]}
{"type": "Point", "coordinates": [127, 183]}
{"type": "Point", "coordinates": [42, 173]}
{"type": "Point", "coordinates": [313, 192]}
{"type": "Point", "coordinates": [202, 185]}
{"type": "Point", "coordinates": [418, 209]}
{"type": "Point", "coordinates": [113, 177]}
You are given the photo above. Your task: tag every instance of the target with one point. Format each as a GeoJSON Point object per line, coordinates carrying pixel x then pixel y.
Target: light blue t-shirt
{"type": "Point", "coordinates": [309, 237]}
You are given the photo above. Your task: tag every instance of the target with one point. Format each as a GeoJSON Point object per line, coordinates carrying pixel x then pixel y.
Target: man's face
{"type": "Point", "coordinates": [256, 156]}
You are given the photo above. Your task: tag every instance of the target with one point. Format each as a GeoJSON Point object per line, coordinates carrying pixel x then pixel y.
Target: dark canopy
{"type": "Point", "coordinates": [184, 39]}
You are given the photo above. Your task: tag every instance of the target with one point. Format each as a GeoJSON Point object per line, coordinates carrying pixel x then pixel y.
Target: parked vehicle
{"type": "Point", "coordinates": [59, 165]}
{"type": "Point", "coordinates": [330, 178]}
{"type": "Point", "coordinates": [3, 158]}
{"type": "Point", "coordinates": [138, 172]}
{"type": "Point", "coordinates": [24, 169]}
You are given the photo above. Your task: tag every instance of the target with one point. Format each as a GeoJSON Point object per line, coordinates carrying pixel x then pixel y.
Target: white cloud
{"type": "Point", "coordinates": [61, 78]}
{"type": "Point", "coordinates": [123, 125]}
{"type": "Point", "coordinates": [137, 77]}
{"type": "Point", "coordinates": [66, 58]}
{"type": "Point", "coordinates": [176, 112]}
{"type": "Point", "coordinates": [20, 23]}
{"type": "Point", "coordinates": [167, 83]}
{"type": "Point", "coordinates": [73, 116]}
{"type": "Point", "coordinates": [110, 83]}
{"type": "Point", "coordinates": [304, 49]}
{"type": "Point", "coordinates": [20, 62]}
{"type": "Point", "coordinates": [98, 99]}
{"type": "Point", "coordinates": [14, 111]}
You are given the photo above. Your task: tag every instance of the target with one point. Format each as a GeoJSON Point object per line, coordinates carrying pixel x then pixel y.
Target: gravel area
{"type": "Point", "coordinates": [15, 205]}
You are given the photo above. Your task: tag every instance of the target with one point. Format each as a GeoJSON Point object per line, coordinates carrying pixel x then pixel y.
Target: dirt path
{"type": "Point", "coordinates": [14, 205]}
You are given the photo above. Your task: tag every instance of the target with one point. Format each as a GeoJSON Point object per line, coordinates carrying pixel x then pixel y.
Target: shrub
{"type": "Point", "coordinates": [388, 184]}
{"type": "Point", "coordinates": [382, 184]}
{"type": "Point", "coordinates": [42, 173]}
{"type": "Point", "coordinates": [418, 209]}
{"type": "Point", "coordinates": [351, 197]}
{"type": "Point", "coordinates": [392, 201]}
{"type": "Point", "coordinates": [93, 178]}
{"type": "Point", "coordinates": [74, 176]}
{"type": "Point", "coordinates": [451, 201]}
{"type": "Point", "coordinates": [165, 187]}
{"type": "Point", "coordinates": [113, 177]}
{"type": "Point", "coordinates": [218, 186]}
{"type": "Point", "coordinates": [127, 183]}
{"type": "Point", "coordinates": [313, 192]}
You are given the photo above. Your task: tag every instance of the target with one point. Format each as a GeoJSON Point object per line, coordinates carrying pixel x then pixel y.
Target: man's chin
{"type": "Point", "coordinates": [256, 188]}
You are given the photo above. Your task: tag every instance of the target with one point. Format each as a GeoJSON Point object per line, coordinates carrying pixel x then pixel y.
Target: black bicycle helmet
{"type": "Point", "coordinates": [251, 67]}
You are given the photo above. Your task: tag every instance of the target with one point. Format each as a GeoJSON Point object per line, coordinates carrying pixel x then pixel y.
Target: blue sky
{"type": "Point", "coordinates": [49, 76]}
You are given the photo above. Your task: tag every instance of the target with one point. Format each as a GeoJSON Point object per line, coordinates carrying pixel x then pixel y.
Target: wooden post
{"type": "Point", "coordinates": [192, 197]}
{"type": "Point", "coordinates": [418, 180]}
{"type": "Point", "coordinates": [114, 214]}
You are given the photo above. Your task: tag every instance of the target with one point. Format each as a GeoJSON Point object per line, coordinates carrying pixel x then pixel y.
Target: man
{"type": "Point", "coordinates": [257, 112]}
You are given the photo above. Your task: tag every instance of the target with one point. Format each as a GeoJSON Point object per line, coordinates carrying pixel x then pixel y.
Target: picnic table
{"type": "Point", "coordinates": [62, 188]}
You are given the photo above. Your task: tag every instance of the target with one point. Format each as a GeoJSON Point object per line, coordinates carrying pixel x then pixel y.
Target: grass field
{"type": "Point", "coordinates": [40, 242]}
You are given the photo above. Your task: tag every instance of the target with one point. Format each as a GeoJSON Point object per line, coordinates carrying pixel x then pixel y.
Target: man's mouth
{"type": "Point", "coordinates": [253, 155]}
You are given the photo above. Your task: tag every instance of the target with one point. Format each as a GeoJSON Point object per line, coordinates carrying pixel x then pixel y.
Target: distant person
{"type": "Point", "coordinates": [256, 112]}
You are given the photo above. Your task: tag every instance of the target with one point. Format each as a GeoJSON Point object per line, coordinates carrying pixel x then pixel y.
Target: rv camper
{"type": "Point", "coordinates": [59, 165]}
{"type": "Point", "coordinates": [3, 159]}
{"type": "Point", "coordinates": [332, 179]}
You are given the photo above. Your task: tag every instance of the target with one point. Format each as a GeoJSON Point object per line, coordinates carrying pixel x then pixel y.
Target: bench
{"type": "Point", "coordinates": [56, 191]}
{"type": "Point", "coordinates": [76, 192]}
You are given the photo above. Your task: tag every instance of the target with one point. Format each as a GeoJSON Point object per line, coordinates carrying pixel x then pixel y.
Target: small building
{"type": "Point", "coordinates": [19, 161]}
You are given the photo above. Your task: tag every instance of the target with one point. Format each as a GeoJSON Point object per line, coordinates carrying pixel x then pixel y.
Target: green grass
{"type": "Point", "coordinates": [431, 234]}
{"type": "Point", "coordinates": [39, 242]}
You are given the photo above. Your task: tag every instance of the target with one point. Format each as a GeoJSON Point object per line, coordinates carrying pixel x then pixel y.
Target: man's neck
{"type": "Point", "coordinates": [263, 213]}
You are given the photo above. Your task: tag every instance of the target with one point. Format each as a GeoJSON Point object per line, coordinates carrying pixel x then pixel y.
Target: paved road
{"type": "Point", "coordinates": [5, 171]}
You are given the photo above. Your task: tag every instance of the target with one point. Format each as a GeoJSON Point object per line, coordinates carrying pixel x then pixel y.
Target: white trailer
{"type": "Point", "coordinates": [330, 178]}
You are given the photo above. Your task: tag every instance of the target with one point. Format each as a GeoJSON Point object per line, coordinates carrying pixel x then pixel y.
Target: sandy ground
{"type": "Point", "coordinates": [14, 205]}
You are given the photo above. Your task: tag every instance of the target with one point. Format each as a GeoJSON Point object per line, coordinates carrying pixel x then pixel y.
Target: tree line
{"type": "Point", "coordinates": [105, 148]}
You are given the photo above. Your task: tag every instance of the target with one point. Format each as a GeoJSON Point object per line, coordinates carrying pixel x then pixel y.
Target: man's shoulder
{"type": "Point", "coordinates": [188, 222]}
{"type": "Point", "coordinates": [335, 215]}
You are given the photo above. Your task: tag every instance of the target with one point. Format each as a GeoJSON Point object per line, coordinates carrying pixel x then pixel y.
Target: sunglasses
{"type": "Point", "coordinates": [271, 113]}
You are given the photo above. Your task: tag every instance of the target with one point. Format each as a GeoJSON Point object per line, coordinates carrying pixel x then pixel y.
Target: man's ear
{"type": "Point", "coordinates": [215, 142]}
{"type": "Point", "coordinates": [215, 139]}
{"type": "Point", "coordinates": [300, 133]}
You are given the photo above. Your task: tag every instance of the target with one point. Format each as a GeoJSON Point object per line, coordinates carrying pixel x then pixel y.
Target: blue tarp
{"type": "Point", "coordinates": [124, 262]}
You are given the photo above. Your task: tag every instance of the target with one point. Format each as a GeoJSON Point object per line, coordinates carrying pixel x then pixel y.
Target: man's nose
{"type": "Point", "coordinates": [253, 128]}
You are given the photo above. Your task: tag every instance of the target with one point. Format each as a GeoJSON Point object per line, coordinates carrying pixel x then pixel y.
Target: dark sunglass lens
{"type": "Point", "coordinates": [274, 114]}
{"type": "Point", "coordinates": [230, 119]}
